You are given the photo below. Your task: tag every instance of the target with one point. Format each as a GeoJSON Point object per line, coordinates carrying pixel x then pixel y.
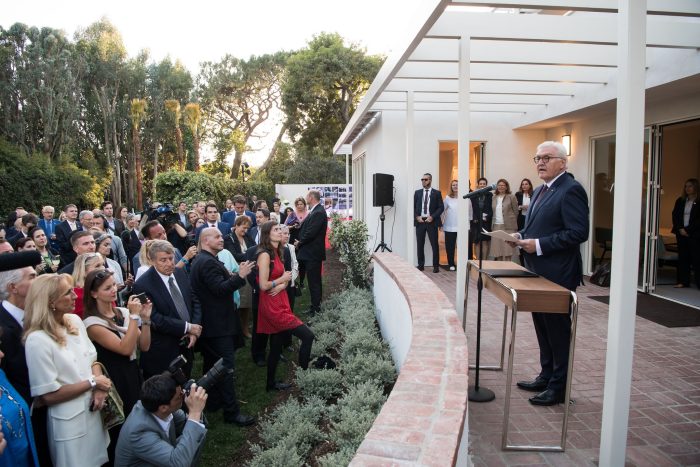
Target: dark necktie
{"type": "Point", "coordinates": [540, 195]}
{"type": "Point", "coordinates": [180, 305]}
{"type": "Point", "coordinates": [425, 201]}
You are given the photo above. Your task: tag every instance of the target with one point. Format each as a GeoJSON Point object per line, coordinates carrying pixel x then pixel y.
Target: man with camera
{"type": "Point", "coordinates": [158, 432]}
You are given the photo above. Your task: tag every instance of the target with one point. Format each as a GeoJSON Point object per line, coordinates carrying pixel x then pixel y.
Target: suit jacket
{"type": "Point", "coordinates": [63, 234]}
{"type": "Point", "coordinates": [213, 285]}
{"type": "Point", "coordinates": [509, 209]}
{"type": "Point", "coordinates": [167, 328]}
{"type": "Point", "coordinates": [14, 362]}
{"type": "Point", "coordinates": [118, 227]}
{"type": "Point", "coordinates": [435, 205]}
{"type": "Point", "coordinates": [230, 217]}
{"type": "Point", "coordinates": [559, 219]}
{"type": "Point", "coordinates": [232, 244]}
{"type": "Point", "coordinates": [312, 235]}
{"type": "Point", "coordinates": [49, 229]}
{"type": "Point", "coordinates": [224, 228]}
{"type": "Point", "coordinates": [693, 226]}
{"type": "Point", "coordinates": [142, 441]}
{"type": "Point", "coordinates": [521, 214]}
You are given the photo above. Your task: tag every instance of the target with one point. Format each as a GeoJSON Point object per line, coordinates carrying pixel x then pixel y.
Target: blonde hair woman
{"type": "Point", "coordinates": [83, 265]}
{"type": "Point", "coordinates": [62, 373]}
{"type": "Point", "coordinates": [144, 260]}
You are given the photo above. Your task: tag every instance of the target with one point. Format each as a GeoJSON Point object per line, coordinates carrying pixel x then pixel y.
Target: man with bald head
{"type": "Point", "coordinates": [213, 286]}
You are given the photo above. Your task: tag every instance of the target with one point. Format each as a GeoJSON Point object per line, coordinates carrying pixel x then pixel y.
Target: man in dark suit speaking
{"type": "Point", "coordinates": [427, 207]}
{"type": "Point", "coordinates": [555, 227]}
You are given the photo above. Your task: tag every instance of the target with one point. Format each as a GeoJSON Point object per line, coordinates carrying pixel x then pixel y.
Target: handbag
{"type": "Point", "coordinates": [113, 411]}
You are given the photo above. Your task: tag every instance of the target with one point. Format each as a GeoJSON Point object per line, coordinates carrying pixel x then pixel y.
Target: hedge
{"type": "Point", "coordinates": [173, 187]}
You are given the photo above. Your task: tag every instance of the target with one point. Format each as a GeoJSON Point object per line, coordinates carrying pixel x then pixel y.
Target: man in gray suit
{"type": "Point", "coordinates": [158, 432]}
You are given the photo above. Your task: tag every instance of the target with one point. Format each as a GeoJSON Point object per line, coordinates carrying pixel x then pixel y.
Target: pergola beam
{"type": "Point", "coordinates": [515, 72]}
{"type": "Point", "coordinates": [654, 7]}
{"type": "Point", "coordinates": [584, 29]}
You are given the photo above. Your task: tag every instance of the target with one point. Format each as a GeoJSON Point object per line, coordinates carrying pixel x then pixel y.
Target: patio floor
{"type": "Point", "coordinates": [664, 423]}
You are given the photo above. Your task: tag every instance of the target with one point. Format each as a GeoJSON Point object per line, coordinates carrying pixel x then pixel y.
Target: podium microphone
{"type": "Point", "coordinates": [480, 191]}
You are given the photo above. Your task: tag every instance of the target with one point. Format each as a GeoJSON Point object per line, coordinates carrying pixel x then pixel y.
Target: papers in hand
{"type": "Point", "coordinates": [500, 234]}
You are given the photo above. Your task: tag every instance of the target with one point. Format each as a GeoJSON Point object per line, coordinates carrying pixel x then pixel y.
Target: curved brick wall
{"type": "Point", "coordinates": [424, 420]}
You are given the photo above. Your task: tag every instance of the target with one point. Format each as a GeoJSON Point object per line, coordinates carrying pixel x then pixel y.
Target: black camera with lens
{"type": "Point", "coordinates": [164, 213]}
{"type": "Point", "coordinates": [215, 374]}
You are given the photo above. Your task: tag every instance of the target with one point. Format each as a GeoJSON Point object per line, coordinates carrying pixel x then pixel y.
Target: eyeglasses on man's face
{"type": "Point", "coordinates": [545, 158]}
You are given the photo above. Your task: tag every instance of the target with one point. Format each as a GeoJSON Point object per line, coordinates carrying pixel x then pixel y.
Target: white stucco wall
{"type": "Point", "coordinates": [393, 315]}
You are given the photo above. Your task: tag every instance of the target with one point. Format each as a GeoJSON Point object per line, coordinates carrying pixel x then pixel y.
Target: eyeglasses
{"type": "Point", "coordinates": [424, 179]}
{"type": "Point", "coordinates": [546, 158]}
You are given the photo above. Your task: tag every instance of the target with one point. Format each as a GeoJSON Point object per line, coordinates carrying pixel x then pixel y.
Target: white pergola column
{"type": "Point", "coordinates": [410, 181]}
{"type": "Point", "coordinates": [627, 216]}
{"type": "Point", "coordinates": [463, 171]}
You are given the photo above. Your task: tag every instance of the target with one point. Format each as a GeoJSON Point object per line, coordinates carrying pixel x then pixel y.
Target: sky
{"type": "Point", "coordinates": [198, 31]}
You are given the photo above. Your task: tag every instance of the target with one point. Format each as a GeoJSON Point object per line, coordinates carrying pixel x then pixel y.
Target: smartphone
{"type": "Point", "coordinates": [142, 297]}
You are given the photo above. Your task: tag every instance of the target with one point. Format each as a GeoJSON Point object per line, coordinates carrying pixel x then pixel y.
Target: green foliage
{"type": "Point", "coordinates": [358, 368]}
{"type": "Point", "coordinates": [338, 458]}
{"type": "Point", "coordinates": [316, 165]}
{"type": "Point", "coordinates": [35, 181]}
{"type": "Point", "coordinates": [349, 239]}
{"type": "Point", "coordinates": [363, 340]}
{"type": "Point", "coordinates": [319, 383]}
{"type": "Point", "coordinates": [351, 427]}
{"type": "Point", "coordinates": [197, 186]}
{"type": "Point", "coordinates": [290, 431]}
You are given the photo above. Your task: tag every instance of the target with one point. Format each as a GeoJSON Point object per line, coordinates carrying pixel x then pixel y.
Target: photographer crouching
{"type": "Point", "coordinates": [158, 432]}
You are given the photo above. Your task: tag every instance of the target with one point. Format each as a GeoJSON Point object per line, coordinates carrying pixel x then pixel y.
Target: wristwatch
{"type": "Point", "coordinates": [93, 383]}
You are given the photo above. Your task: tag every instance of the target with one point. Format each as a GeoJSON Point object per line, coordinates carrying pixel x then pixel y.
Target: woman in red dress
{"type": "Point", "coordinates": [275, 316]}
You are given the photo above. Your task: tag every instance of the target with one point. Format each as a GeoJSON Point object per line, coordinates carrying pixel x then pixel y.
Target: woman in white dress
{"type": "Point", "coordinates": [63, 375]}
{"type": "Point", "coordinates": [449, 224]}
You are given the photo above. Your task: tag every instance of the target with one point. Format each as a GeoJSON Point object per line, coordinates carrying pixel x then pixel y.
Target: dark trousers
{"type": "Point", "coordinates": [277, 341]}
{"type": "Point", "coordinates": [450, 244]}
{"type": "Point", "coordinates": [688, 256]}
{"type": "Point", "coordinates": [258, 344]}
{"type": "Point", "coordinates": [553, 336]}
{"type": "Point", "coordinates": [313, 280]}
{"type": "Point", "coordinates": [41, 436]}
{"type": "Point", "coordinates": [223, 393]}
{"type": "Point", "coordinates": [431, 230]}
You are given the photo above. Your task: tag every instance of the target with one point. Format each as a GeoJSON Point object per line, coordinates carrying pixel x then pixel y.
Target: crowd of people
{"type": "Point", "coordinates": [500, 210]}
{"type": "Point", "coordinates": [105, 307]}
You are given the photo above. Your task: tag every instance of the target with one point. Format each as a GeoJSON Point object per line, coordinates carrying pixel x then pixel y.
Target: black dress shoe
{"type": "Point", "coordinates": [537, 385]}
{"type": "Point", "coordinates": [436, 268]}
{"type": "Point", "coordinates": [278, 386]}
{"type": "Point", "coordinates": [240, 420]}
{"type": "Point", "coordinates": [420, 268]}
{"type": "Point", "coordinates": [547, 397]}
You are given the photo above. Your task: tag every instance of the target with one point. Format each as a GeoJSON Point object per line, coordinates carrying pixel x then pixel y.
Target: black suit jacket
{"type": "Point", "coordinates": [232, 244]}
{"type": "Point", "coordinates": [312, 235]}
{"type": "Point", "coordinates": [167, 328]}
{"type": "Point", "coordinates": [559, 219]}
{"type": "Point", "coordinates": [224, 228]}
{"type": "Point", "coordinates": [14, 362]}
{"type": "Point", "coordinates": [213, 285]}
{"type": "Point", "coordinates": [65, 249]}
{"type": "Point", "coordinates": [435, 205]}
{"type": "Point", "coordinates": [693, 227]}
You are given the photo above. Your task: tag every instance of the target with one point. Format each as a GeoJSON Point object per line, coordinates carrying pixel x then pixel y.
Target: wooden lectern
{"type": "Point", "coordinates": [524, 294]}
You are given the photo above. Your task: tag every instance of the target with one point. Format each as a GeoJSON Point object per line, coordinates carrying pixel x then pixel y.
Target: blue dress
{"type": "Point", "coordinates": [16, 427]}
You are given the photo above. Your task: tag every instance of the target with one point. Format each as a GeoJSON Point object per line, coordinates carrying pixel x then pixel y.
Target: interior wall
{"type": "Point", "coordinates": [680, 152]}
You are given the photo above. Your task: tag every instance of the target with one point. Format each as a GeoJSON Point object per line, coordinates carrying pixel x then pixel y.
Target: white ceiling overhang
{"type": "Point", "coordinates": [532, 61]}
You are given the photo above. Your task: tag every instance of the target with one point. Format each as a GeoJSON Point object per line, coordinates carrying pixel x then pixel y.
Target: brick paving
{"type": "Point", "coordinates": [664, 423]}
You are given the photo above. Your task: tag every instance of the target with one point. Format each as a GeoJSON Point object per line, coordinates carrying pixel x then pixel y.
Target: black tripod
{"type": "Point", "coordinates": [476, 393]}
{"type": "Point", "coordinates": [383, 246]}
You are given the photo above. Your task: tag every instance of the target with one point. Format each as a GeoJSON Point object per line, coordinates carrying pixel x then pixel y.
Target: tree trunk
{"type": "Point", "coordinates": [155, 168]}
{"type": "Point", "coordinates": [117, 199]}
{"type": "Point", "coordinates": [136, 174]}
{"type": "Point", "coordinates": [273, 151]}
{"type": "Point", "coordinates": [236, 167]}
{"type": "Point", "coordinates": [195, 143]}
{"type": "Point", "coordinates": [180, 148]}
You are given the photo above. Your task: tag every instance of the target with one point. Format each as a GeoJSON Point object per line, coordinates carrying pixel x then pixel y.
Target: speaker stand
{"type": "Point", "coordinates": [382, 246]}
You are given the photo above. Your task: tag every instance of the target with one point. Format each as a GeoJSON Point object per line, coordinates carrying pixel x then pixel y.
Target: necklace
{"type": "Point", "coordinates": [15, 433]}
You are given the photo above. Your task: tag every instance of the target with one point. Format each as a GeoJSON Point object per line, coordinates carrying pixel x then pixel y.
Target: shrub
{"type": "Point", "coordinates": [367, 395]}
{"type": "Point", "coordinates": [334, 459]}
{"type": "Point", "coordinates": [362, 340]}
{"type": "Point", "coordinates": [280, 455]}
{"type": "Point", "coordinates": [359, 368]}
{"type": "Point", "coordinates": [350, 428]}
{"type": "Point", "coordinates": [35, 181]}
{"type": "Point", "coordinates": [324, 384]}
{"type": "Point", "coordinates": [349, 239]}
{"type": "Point", "coordinates": [174, 186]}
